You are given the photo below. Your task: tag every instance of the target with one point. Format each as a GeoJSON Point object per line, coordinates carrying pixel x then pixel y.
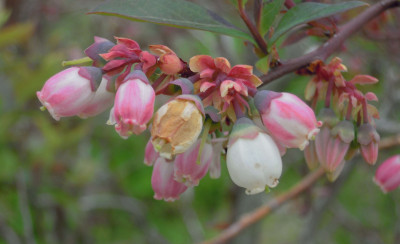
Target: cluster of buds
{"type": "Point", "coordinates": [210, 112]}
{"type": "Point", "coordinates": [348, 118]}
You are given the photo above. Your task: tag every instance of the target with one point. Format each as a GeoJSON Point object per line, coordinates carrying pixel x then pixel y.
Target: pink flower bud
{"type": "Point", "coordinates": [333, 144]}
{"type": "Point", "coordinates": [310, 155]}
{"type": "Point", "coordinates": [253, 158]}
{"type": "Point", "coordinates": [133, 106]}
{"type": "Point", "coordinates": [102, 100]}
{"type": "Point", "coordinates": [387, 175]}
{"type": "Point", "coordinates": [150, 154]}
{"type": "Point", "coordinates": [287, 118]}
{"type": "Point", "coordinates": [186, 168]}
{"type": "Point", "coordinates": [368, 139]}
{"type": "Point", "coordinates": [163, 183]}
{"type": "Point", "coordinates": [67, 93]}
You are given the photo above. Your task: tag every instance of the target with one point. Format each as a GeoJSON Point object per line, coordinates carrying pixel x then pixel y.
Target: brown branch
{"type": "Point", "coordinates": [324, 51]}
{"type": "Point", "coordinates": [262, 44]}
{"type": "Point", "coordinates": [254, 216]}
{"type": "Point", "coordinates": [259, 213]}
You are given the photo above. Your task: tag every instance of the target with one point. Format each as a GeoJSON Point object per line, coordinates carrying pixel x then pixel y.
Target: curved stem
{"type": "Point", "coordinates": [262, 44]}
{"type": "Point", "coordinates": [324, 51]}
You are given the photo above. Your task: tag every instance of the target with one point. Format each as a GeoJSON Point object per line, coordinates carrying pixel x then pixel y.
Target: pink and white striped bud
{"type": "Point", "coordinates": [332, 176]}
{"type": "Point", "coordinates": [163, 183]}
{"type": "Point", "coordinates": [187, 169]}
{"type": "Point", "coordinates": [68, 92]}
{"type": "Point", "coordinates": [253, 159]}
{"type": "Point", "coordinates": [102, 100]}
{"type": "Point", "coordinates": [133, 106]}
{"type": "Point", "coordinates": [368, 138]}
{"type": "Point", "coordinates": [387, 175]}
{"type": "Point", "coordinates": [177, 125]}
{"type": "Point", "coordinates": [150, 154]}
{"type": "Point", "coordinates": [288, 119]}
{"type": "Point", "coordinates": [332, 144]}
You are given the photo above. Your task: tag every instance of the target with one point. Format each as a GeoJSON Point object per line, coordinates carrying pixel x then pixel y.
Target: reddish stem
{"type": "Point", "coordinates": [159, 80]}
{"type": "Point", "coordinates": [289, 4]}
{"type": "Point", "coordinates": [329, 93]}
{"type": "Point", "coordinates": [365, 111]}
{"type": "Point", "coordinates": [349, 110]}
{"type": "Point", "coordinates": [253, 30]}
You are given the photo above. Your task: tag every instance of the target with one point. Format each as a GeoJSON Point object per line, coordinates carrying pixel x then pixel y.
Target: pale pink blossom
{"type": "Point", "coordinates": [368, 138]}
{"type": "Point", "coordinates": [150, 154]}
{"type": "Point", "coordinates": [68, 92]}
{"type": "Point", "coordinates": [287, 118]}
{"type": "Point", "coordinates": [163, 183]}
{"type": "Point", "coordinates": [133, 106]}
{"type": "Point", "coordinates": [188, 169]}
{"type": "Point", "coordinates": [387, 175]}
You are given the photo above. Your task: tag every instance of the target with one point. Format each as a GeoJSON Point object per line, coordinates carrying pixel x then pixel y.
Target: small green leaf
{"type": "Point", "coordinates": [263, 64]}
{"type": "Point", "coordinates": [269, 14]}
{"type": "Point", "coordinates": [309, 11]}
{"type": "Point", "coordinates": [175, 13]}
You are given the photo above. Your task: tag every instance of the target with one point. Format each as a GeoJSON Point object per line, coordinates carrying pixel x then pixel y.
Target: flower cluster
{"type": "Point", "coordinates": [348, 118]}
{"type": "Point", "coordinates": [213, 109]}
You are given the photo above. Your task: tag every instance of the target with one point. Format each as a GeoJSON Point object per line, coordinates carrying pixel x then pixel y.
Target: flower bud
{"type": "Point", "coordinates": [310, 155]}
{"type": "Point", "coordinates": [287, 118]}
{"type": "Point", "coordinates": [332, 176]}
{"type": "Point", "coordinates": [163, 183]}
{"type": "Point", "coordinates": [332, 144]}
{"type": "Point", "coordinates": [102, 100]}
{"type": "Point", "coordinates": [177, 125]}
{"type": "Point", "coordinates": [368, 139]}
{"type": "Point", "coordinates": [387, 175]}
{"type": "Point", "coordinates": [68, 92]}
{"type": "Point", "coordinates": [253, 159]}
{"type": "Point", "coordinates": [150, 154]}
{"type": "Point", "coordinates": [187, 169]}
{"type": "Point", "coordinates": [133, 106]}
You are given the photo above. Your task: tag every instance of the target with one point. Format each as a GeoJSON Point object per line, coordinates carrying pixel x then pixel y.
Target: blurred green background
{"type": "Point", "coordinates": [77, 181]}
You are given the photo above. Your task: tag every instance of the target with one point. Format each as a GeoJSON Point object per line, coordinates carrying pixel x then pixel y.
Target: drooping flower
{"type": "Point", "coordinates": [253, 159]}
{"type": "Point", "coordinates": [68, 92]}
{"type": "Point", "coordinates": [177, 125]}
{"type": "Point", "coordinates": [387, 176]}
{"type": "Point", "coordinates": [133, 106]}
{"type": "Point", "coordinates": [333, 141]}
{"type": "Point", "coordinates": [310, 155]}
{"type": "Point", "coordinates": [187, 169]}
{"type": "Point", "coordinates": [368, 139]}
{"type": "Point", "coordinates": [102, 100]}
{"type": "Point", "coordinates": [163, 183]}
{"type": "Point", "coordinates": [289, 120]}
{"type": "Point", "coordinates": [150, 154]}
{"type": "Point", "coordinates": [168, 61]}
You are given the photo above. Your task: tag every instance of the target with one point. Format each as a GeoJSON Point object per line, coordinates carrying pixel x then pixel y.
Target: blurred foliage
{"type": "Point", "coordinates": [77, 181]}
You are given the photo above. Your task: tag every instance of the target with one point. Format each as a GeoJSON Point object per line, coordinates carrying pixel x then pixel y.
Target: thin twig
{"type": "Point", "coordinates": [389, 142]}
{"type": "Point", "coordinates": [324, 51]}
{"type": "Point", "coordinates": [262, 44]}
{"type": "Point", "coordinates": [254, 216]}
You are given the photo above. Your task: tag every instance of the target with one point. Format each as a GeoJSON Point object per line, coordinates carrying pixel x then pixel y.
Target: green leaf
{"type": "Point", "coordinates": [175, 13]}
{"type": "Point", "coordinates": [263, 64]}
{"type": "Point", "coordinates": [309, 11]}
{"type": "Point", "coordinates": [269, 14]}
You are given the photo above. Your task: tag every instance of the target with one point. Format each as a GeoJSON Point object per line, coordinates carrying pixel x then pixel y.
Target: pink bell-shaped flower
{"type": "Point", "coordinates": [387, 175]}
{"type": "Point", "coordinates": [68, 92]}
{"type": "Point", "coordinates": [287, 118]}
{"type": "Point", "coordinates": [163, 183]}
{"type": "Point", "coordinates": [310, 155]}
{"type": "Point", "coordinates": [368, 139]}
{"type": "Point", "coordinates": [253, 159]}
{"type": "Point", "coordinates": [133, 106]}
{"type": "Point", "coordinates": [187, 169]}
{"type": "Point", "coordinates": [332, 143]}
{"type": "Point", "coordinates": [102, 100]}
{"type": "Point", "coordinates": [150, 154]}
